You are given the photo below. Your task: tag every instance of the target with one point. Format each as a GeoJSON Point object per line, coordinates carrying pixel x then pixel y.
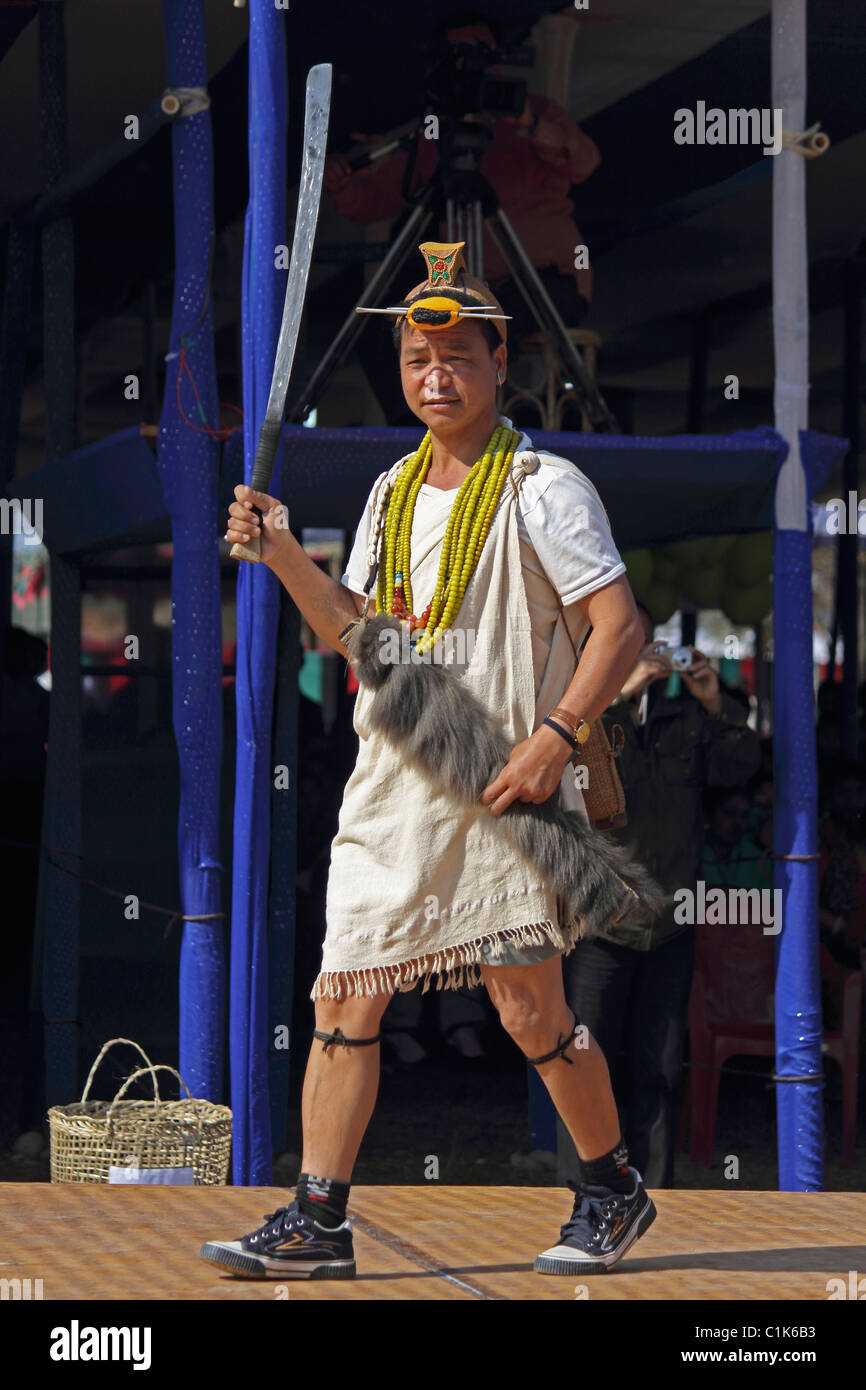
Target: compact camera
{"type": "Point", "coordinates": [681, 658]}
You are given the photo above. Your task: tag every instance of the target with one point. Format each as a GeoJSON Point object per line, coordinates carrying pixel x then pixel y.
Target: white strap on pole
{"type": "Point", "coordinates": [790, 264]}
{"type": "Point", "coordinates": [184, 101]}
{"type": "Point", "coordinates": [809, 143]}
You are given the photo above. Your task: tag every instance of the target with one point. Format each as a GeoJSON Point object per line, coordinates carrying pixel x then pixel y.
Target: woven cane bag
{"type": "Point", "coordinates": [603, 793]}
{"type": "Point", "coordinates": [90, 1137]}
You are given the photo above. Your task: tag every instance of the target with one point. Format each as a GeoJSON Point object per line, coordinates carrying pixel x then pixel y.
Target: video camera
{"type": "Point", "coordinates": [458, 84]}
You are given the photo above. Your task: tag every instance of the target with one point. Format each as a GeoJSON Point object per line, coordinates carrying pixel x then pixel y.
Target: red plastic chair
{"type": "Point", "coordinates": [731, 1014]}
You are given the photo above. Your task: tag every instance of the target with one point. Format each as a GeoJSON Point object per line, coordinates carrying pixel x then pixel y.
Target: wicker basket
{"type": "Point", "coordinates": [91, 1136]}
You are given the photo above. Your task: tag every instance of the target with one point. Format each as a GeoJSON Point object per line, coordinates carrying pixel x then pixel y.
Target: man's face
{"type": "Point", "coordinates": [449, 375]}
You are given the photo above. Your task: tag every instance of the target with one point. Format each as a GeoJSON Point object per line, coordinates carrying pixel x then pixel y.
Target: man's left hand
{"type": "Point", "coordinates": [702, 682]}
{"type": "Point", "coordinates": [532, 773]}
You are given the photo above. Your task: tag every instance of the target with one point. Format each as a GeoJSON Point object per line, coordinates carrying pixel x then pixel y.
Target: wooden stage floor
{"type": "Point", "coordinates": [101, 1242]}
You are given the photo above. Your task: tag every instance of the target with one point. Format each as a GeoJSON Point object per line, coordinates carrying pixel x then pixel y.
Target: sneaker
{"type": "Point", "coordinates": [289, 1246]}
{"type": "Point", "coordinates": [601, 1228]}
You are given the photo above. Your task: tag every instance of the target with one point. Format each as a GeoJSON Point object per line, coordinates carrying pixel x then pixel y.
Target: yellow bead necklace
{"type": "Point", "coordinates": [468, 525]}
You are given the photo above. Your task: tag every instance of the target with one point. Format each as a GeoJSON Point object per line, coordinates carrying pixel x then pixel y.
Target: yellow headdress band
{"type": "Point", "coordinates": [446, 270]}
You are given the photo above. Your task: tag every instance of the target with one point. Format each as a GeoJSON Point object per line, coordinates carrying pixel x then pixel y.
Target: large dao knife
{"type": "Point", "coordinates": [309, 195]}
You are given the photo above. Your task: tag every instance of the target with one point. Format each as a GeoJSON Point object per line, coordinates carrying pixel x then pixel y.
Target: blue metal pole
{"type": "Point", "coordinates": [798, 998]}
{"type": "Point", "coordinates": [257, 610]}
{"type": "Point", "coordinates": [188, 462]}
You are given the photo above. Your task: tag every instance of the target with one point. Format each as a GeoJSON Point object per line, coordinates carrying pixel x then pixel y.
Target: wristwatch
{"type": "Point", "coordinates": [579, 728]}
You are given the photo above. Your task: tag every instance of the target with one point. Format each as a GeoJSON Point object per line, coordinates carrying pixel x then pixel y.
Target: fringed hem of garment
{"type": "Point", "coordinates": [456, 966]}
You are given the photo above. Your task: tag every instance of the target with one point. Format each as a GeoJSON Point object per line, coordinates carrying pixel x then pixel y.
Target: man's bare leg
{"type": "Point", "coordinates": [340, 1089]}
{"type": "Point", "coordinates": [340, 1086]}
{"type": "Point", "coordinates": [611, 1208]}
{"type": "Point", "coordinates": [530, 1001]}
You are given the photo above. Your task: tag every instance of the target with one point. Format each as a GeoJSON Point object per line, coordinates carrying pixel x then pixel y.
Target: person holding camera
{"type": "Point", "coordinates": [631, 984]}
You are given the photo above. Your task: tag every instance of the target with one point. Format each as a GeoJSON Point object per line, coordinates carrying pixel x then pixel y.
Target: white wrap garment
{"type": "Point", "coordinates": [418, 883]}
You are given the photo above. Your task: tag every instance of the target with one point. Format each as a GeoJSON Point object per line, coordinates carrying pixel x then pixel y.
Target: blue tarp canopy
{"type": "Point", "coordinates": [656, 490]}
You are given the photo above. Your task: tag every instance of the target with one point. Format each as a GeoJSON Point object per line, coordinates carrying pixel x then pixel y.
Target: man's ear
{"type": "Point", "coordinates": [500, 357]}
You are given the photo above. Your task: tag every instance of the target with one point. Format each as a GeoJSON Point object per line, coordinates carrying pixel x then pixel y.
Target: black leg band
{"type": "Point", "coordinates": [339, 1038]}
{"type": "Point", "coordinates": [560, 1049]}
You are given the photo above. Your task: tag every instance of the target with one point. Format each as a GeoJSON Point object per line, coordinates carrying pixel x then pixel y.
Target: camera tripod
{"type": "Point", "coordinates": [459, 195]}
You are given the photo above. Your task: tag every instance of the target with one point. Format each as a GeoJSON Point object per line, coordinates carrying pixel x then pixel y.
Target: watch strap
{"type": "Point", "coordinates": [573, 722]}
{"type": "Point", "coordinates": [569, 738]}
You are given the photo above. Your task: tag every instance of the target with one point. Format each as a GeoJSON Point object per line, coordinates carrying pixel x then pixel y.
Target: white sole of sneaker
{"type": "Point", "coordinates": [565, 1259]}
{"type": "Point", "coordinates": [229, 1256]}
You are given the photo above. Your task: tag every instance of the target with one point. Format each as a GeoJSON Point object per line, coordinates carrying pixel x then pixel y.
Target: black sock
{"type": "Point", "coordinates": [610, 1170]}
{"type": "Point", "coordinates": [322, 1199]}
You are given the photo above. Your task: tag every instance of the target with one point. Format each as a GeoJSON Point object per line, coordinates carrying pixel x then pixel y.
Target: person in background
{"type": "Point", "coordinates": [842, 867]}
{"type": "Point", "coordinates": [829, 727]}
{"type": "Point", "coordinates": [760, 789]}
{"type": "Point", "coordinates": [531, 162]}
{"type": "Point", "coordinates": [631, 984]}
{"type": "Point", "coordinates": [731, 858]}
{"type": "Point", "coordinates": [845, 791]}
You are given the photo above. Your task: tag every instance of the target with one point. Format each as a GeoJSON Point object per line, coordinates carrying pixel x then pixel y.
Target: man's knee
{"type": "Point", "coordinates": [534, 1026]}
{"type": "Point", "coordinates": [520, 1013]}
{"type": "Point", "coordinates": [340, 1022]}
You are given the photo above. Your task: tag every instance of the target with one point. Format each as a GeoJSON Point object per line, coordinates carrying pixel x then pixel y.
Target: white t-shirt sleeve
{"type": "Point", "coordinates": [568, 528]}
{"type": "Point", "coordinates": [357, 570]}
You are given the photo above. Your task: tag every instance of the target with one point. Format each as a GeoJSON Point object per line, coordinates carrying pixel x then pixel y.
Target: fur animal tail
{"type": "Point", "coordinates": [446, 731]}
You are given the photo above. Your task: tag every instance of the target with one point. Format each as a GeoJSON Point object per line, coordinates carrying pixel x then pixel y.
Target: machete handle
{"type": "Point", "coordinates": [263, 467]}
{"type": "Point", "coordinates": [249, 550]}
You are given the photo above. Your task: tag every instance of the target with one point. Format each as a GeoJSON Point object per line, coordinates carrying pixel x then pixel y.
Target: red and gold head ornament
{"type": "Point", "coordinates": [449, 293]}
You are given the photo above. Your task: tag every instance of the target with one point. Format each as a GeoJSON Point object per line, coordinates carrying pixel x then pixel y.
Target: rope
{"type": "Point", "coordinates": [172, 913]}
{"type": "Point", "coordinates": [186, 340]}
{"type": "Point", "coordinates": [223, 432]}
{"type": "Point", "coordinates": [184, 101]}
{"type": "Point", "coordinates": [818, 1077]}
{"type": "Point", "coordinates": [809, 143]}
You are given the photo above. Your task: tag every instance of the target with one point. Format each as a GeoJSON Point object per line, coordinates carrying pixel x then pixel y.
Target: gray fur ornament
{"type": "Point", "coordinates": [446, 732]}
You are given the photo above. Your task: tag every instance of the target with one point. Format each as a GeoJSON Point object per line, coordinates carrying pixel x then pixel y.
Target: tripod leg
{"type": "Point", "coordinates": [315, 386]}
{"type": "Point", "coordinates": [547, 317]}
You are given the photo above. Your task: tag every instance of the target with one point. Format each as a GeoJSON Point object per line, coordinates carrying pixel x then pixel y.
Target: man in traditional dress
{"type": "Point", "coordinates": [513, 550]}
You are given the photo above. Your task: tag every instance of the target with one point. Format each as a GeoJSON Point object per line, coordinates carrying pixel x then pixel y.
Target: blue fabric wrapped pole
{"type": "Point", "coordinates": [799, 1067]}
{"type": "Point", "coordinates": [799, 1022]}
{"type": "Point", "coordinates": [284, 838]}
{"type": "Point", "coordinates": [257, 609]}
{"type": "Point", "coordinates": [188, 463]}
{"type": "Point", "coordinates": [799, 1026]}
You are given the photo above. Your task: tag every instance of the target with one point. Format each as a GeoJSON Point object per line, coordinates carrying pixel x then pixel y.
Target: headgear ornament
{"type": "Point", "coordinates": [449, 293]}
